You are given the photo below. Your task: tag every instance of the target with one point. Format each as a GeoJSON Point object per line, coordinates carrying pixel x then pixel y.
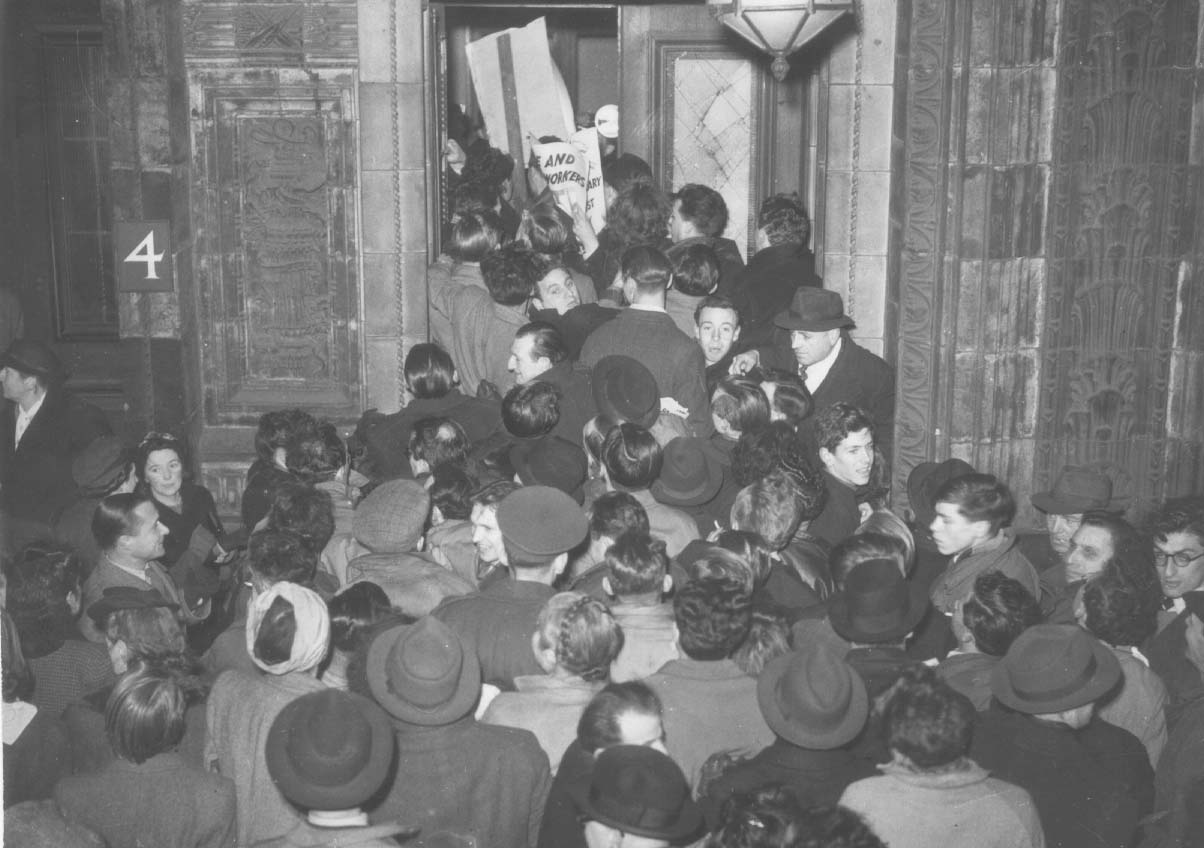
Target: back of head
{"type": "Point", "coordinates": [451, 492]}
{"type": "Point", "coordinates": [599, 727]}
{"type": "Point", "coordinates": [145, 714]}
{"type": "Point", "coordinates": [884, 523]}
{"type": "Point", "coordinates": [835, 422]}
{"type": "Point", "coordinates": [637, 564]}
{"type": "Point", "coordinates": [695, 269]}
{"type": "Point", "coordinates": [353, 612]}
{"type": "Point", "coordinates": [632, 457]}
{"type": "Point", "coordinates": [791, 401]}
{"type": "Point", "coordinates": [40, 579]}
{"type": "Point", "coordinates": [926, 721]}
{"type": "Point", "coordinates": [510, 273]}
{"type": "Point", "coordinates": [772, 508]}
{"type": "Point", "coordinates": [740, 404]}
{"type": "Point", "coordinates": [148, 633]}
{"type": "Point", "coordinates": [1119, 611]}
{"type": "Point", "coordinates": [439, 441]}
{"type": "Point", "coordinates": [486, 164]}
{"type": "Point", "coordinates": [705, 207]}
{"type": "Point", "coordinates": [474, 235]}
{"type": "Point", "coordinates": [998, 611]}
{"type": "Point", "coordinates": [721, 563]}
{"type": "Point", "coordinates": [751, 549]}
{"type": "Point", "coordinates": [626, 170]}
{"type": "Point", "coordinates": [429, 372]}
{"type": "Point", "coordinates": [277, 428]}
{"type": "Point", "coordinates": [276, 556]}
{"type": "Point", "coordinates": [713, 617]}
{"type": "Point", "coordinates": [648, 270]}
{"type": "Point", "coordinates": [768, 639]}
{"type": "Point", "coordinates": [304, 510]}
{"type": "Point", "coordinates": [763, 818]}
{"type": "Point", "coordinates": [979, 497]}
{"type": "Point", "coordinates": [531, 410]}
{"type": "Point", "coordinates": [580, 633]}
{"type": "Point", "coordinates": [319, 457]}
{"type": "Point", "coordinates": [288, 629]}
{"type": "Point", "coordinates": [546, 341]}
{"type": "Point", "coordinates": [863, 547]}
{"type": "Point", "coordinates": [760, 450]}
{"type": "Point", "coordinates": [615, 514]}
{"type": "Point", "coordinates": [547, 229]}
{"type": "Point", "coordinates": [639, 215]}
{"type": "Point", "coordinates": [784, 220]}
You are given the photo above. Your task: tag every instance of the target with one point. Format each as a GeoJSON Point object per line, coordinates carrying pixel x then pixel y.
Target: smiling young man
{"type": "Point", "coordinates": [557, 302]}
{"type": "Point", "coordinates": [717, 328]}
{"type": "Point", "coordinates": [540, 353]}
{"type": "Point", "coordinates": [844, 436]}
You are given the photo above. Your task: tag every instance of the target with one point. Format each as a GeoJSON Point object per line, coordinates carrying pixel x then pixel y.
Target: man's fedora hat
{"type": "Point", "coordinates": [813, 698]}
{"type": "Point", "coordinates": [877, 604]}
{"type": "Point", "coordinates": [639, 790]}
{"type": "Point", "coordinates": [1076, 490]}
{"type": "Point", "coordinates": [691, 474]}
{"type": "Point", "coordinates": [1054, 667]}
{"type": "Point", "coordinates": [329, 750]}
{"type": "Point", "coordinates": [924, 481]}
{"type": "Point", "coordinates": [421, 674]}
{"type": "Point", "coordinates": [625, 390]}
{"type": "Point", "coordinates": [814, 309]}
{"type": "Point", "coordinates": [34, 358]}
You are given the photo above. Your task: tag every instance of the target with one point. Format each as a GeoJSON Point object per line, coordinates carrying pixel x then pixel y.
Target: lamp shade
{"type": "Point", "coordinates": [779, 27]}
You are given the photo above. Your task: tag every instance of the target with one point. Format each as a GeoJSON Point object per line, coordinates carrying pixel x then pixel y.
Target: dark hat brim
{"type": "Point", "coordinates": [53, 371]}
{"type": "Point", "coordinates": [926, 478]}
{"type": "Point", "coordinates": [1052, 504]}
{"type": "Point", "coordinates": [704, 492]}
{"type": "Point", "coordinates": [794, 732]}
{"type": "Point", "coordinates": [688, 824]}
{"type": "Point", "coordinates": [1106, 675]}
{"type": "Point", "coordinates": [793, 321]}
{"type": "Point", "coordinates": [461, 703]}
{"type": "Point", "coordinates": [841, 619]}
{"type": "Point", "coordinates": [600, 375]}
{"type": "Point", "coordinates": [312, 796]}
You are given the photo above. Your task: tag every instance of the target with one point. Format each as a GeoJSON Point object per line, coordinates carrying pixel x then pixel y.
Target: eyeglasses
{"type": "Point", "coordinates": [1181, 559]}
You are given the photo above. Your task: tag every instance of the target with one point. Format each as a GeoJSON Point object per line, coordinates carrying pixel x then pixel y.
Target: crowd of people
{"type": "Point", "coordinates": [621, 571]}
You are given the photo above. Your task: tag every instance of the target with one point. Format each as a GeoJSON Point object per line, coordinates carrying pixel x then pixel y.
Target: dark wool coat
{"type": "Point", "coordinates": [767, 286]}
{"type": "Point", "coordinates": [1167, 653]}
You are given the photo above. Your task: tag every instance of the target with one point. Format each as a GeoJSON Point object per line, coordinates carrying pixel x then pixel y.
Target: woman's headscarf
{"type": "Point", "coordinates": [312, 637]}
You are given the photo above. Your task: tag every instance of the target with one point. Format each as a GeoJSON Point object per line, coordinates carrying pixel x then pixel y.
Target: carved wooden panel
{"type": "Point", "coordinates": [309, 31]}
{"type": "Point", "coordinates": [278, 253]}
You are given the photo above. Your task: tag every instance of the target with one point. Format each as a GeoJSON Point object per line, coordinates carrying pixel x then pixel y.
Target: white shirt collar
{"type": "Point", "coordinates": [24, 417]}
{"type": "Point", "coordinates": [817, 372]}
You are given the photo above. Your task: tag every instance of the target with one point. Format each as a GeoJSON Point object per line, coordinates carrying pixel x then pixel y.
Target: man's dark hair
{"type": "Point", "coordinates": [715, 301]}
{"type": "Point", "coordinates": [451, 491]}
{"type": "Point", "coordinates": [763, 818]}
{"type": "Point", "coordinates": [704, 207]}
{"type": "Point", "coordinates": [639, 215]}
{"type": "Point", "coordinates": [546, 340]}
{"type": "Point", "coordinates": [491, 494]}
{"type": "Point", "coordinates": [784, 220]}
{"type": "Point", "coordinates": [648, 268]}
{"type": "Point", "coordinates": [318, 457]}
{"type": "Point", "coordinates": [979, 497]}
{"type": "Point", "coordinates": [438, 442]}
{"type": "Point", "coordinates": [510, 273]}
{"type": "Point", "coordinates": [835, 422]}
{"type": "Point", "coordinates": [614, 513]}
{"type": "Point", "coordinates": [353, 612]}
{"type": "Point", "coordinates": [474, 235]}
{"type": "Point", "coordinates": [598, 727]}
{"type": "Point", "coordinates": [740, 402]}
{"type": "Point", "coordinates": [472, 197]}
{"type": "Point", "coordinates": [429, 371]}
{"type": "Point", "coordinates": [304, 510]}
{"type": "Point", "coordinates": [632, 457]}
{"type": "Point", "coordinates": [487, 165]}
{"type": "Point", "coordinates": [625, 171]}
{"type": "Point", "coordinates": [548, 229]}
{"type": "Point", "coordinates": [281, 556]}
{"type": "Point", "coordinates": [637, 564]}
{"type": "Point", "coordinates": [114, 518]}
{"type": "Point", "coordinates": [999, 610]}
{"type": "Point", "coordinates": [774, 506]}
{"type": "Point", "coordinates": [695, 269]}
{"type": "Point", "coordinates": [531, 410]}
{"type": "Point", "coordinates": [759, 450]}
{"type": "Point", "coordinates": [713, 617]}
{"type": "Point", "coordinates": [1119, 611]}
{"type": "Point", "coordinates": [1178, 515]}
{"type": "Point", "coordinates": [927, 721]}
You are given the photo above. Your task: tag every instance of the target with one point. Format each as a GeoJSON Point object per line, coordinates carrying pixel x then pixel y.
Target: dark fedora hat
{"type": "Point", "coordinates": [877, 604]}
{"type": "Point", "coordinates": [925, 479]}
{"type": "Point", "coordinates": [329, 750]}
{"type": "Point", "coordinates": [812, 698]}
{"type": "Point", "coordinates": [101, 466]}
{"type": "Point", "coordinates": [1076, 490]}
{"type": "Point", "coordinates": [1054, 667]}
{"type": "Point", "coordinates": [814, 309]}
{"type": "Point", "coordinates": [625, 390]}
{"type": "Point", "coordinates": [690, 475]}
{"type": "Point", "coordinates": [34, 358]}
{"type": "Point", "coordinates": [126, 597]}
{"type": "Point", "coordinates": [640, 790]}
{"type": "Point", "coordinates": [421, 674]}
{"type": "Point", "coordinates": [551, 461]}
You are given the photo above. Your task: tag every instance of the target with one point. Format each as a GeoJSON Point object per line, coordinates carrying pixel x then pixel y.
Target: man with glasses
{"type": "Point", "coordinates": [1176, 653]}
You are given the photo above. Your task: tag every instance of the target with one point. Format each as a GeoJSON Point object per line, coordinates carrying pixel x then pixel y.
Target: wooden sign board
{"type": "Point", "coordinates": [143, 256]}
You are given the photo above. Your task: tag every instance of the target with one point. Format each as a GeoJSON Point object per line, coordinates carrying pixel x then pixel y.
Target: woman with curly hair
{"type": "Point", "coordinates": [575, 640]}
{"type": "Point", "coordinates": [639, 217]}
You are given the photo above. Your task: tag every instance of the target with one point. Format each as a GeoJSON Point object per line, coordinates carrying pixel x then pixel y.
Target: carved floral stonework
{"type": "Point", "coordinates": [309, 31]}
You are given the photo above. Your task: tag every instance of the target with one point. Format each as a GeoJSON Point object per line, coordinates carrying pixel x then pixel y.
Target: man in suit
{"type": "Point", "coordinates": [812, 337]}
{"type": "Point", "coordinates": [42, 429]}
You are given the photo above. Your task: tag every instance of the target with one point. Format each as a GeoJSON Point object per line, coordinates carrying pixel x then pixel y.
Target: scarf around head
{"type": "Point", "coordinates": [312, 636]}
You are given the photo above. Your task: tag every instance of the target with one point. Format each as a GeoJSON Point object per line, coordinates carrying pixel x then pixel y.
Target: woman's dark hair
{"type": "Point", "coordinates": [147, 632]}
{"type": "Point", "coordinates": [531, 410]}
{"type": "Point", "coordinates": [510, 273]}
{"type": "Point", "coordinates": [598, 727]}
{"type": "Point", "coordinates": [304, 510]}
{"type": "Point", "coordinates": [548, 230]}
{"type": "Point", "coordinates": [632, 457]}
{"type": "Point", "coordinates": [740, 403]}
{"type": "Point", "coordinates": [145, 714]}
{"type": "Point", "coordinates": [639, 216]}
{"type": "Point", "coordinates": [784, 219]}
{"type": "Point", "coordinates": [751, 548]}
{"type": "Point", "coordinates": [927, 721]}
{"type": "Point", "coordinates": [156, 442]}
{"type": "Point", "coordinates": [999, 610]}
{"type": "Point", "coordinates": [760, 449]}
{"type": "Point", "coordinates": [1119, 611]}
{"type": "Point", "coordinates": [429, 371]}
{"type": "Point", "coordinates": [353, 612]}
{"type": "Point", "coordinates": [625, 171]}
{"type": "Point", "coordinates": [40, 579]}
{"type": "Point", "coordinates": [451, 492]}
{"type": "Point", "coordinates": [318, 457]}
{"type": "Point", "coordinates": [474, 234]}
{"type": "Point", "coordinates": [768, 638]}
{"type": "Point", "coordinates": [281, 556]}
{"type": "Point", "coordinates": [790, 396]}
{"type": "Point", "coordinates": [274, 641]}
{"type": "Point", "coordinates": [277, 428]}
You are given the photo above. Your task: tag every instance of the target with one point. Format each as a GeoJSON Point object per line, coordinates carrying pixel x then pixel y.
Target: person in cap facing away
{"type": "Point", "coordinates": [43, 428]}
{"type": "Point", "coordinates": [816, 705]}
{"type": "Point", "coordinates": [453, 774]}
{"type": "Point", "coordinates": [1091, 781]}
{"type": "Point", "coordinates": [329, 752]}
{"type": "Point", "coordinates": [103, 468]}
{"type": "Point", "coordinates": [638, 797]}
{"type": "Point", "coordinates": [1075, 491]}
{"type": "Point", "coordinates": [539, 525]}
{"type": "Point", "coordinates": [930, 794]}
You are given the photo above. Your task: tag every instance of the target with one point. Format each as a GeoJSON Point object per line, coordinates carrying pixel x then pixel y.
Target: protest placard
{"type": "Point", "coordinates": [586, 142]}
{"type": "Point", "coordinates": [566, 169]}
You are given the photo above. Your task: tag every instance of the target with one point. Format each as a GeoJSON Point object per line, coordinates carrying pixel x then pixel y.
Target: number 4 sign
{"type": "Point", "coordinates": [143, 254]}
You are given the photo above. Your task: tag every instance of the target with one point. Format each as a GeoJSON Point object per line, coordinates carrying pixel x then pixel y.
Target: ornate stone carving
{"type": "Point", "coordinates": [307, 31]}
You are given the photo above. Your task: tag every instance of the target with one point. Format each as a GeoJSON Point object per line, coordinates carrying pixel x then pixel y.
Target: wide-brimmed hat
{"type": "Point", "coordinates": [422, 674]}
{"type": "Point", "coordinates": [878, 604]}
{"type": "Point", "coordinates": [640, 790]}
{"type": "Point", "coordinates": [1076, 490]}
{"type": "Point", "coordinates": [551, 461]}
{"type": "Point", "coordinates": [814, 310]}
{"type": "Point", "coordinates": [123, 598]}
{"type": "Point", "coordinates": [329, 750]}
{"type": "Point", "coordinates": [539, 523]}
{"type": "Point", "coordinates": [390, 520]}
{"type": "Point", "coordinates": [34, 358]}
{"type": "Point", "coordinates": [925, 479]}
{"type": "Point", "coordinates": [1054, 667]}
{"type": "Point", "coordinates": [690, 475]}
{"type": "Point", "coordinates": [813, 698]}
{"type": "Point", "coordinates": [625, 390]}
